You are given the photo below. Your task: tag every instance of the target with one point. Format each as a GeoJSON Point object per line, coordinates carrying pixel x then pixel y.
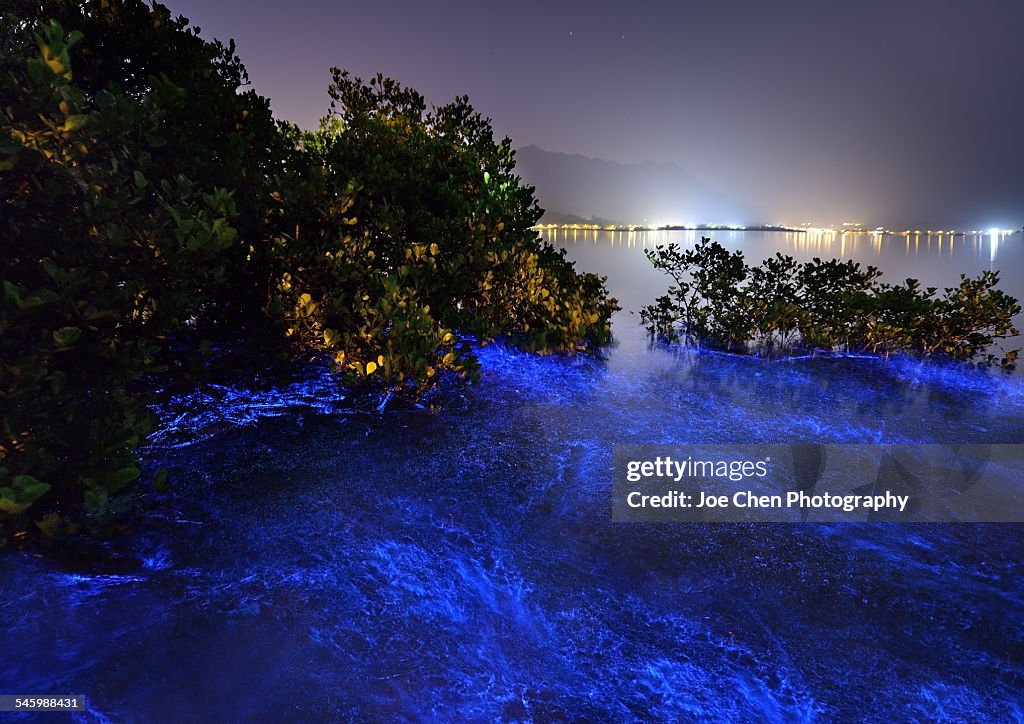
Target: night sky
{"type": "Point", "coordinates": [895, 112]}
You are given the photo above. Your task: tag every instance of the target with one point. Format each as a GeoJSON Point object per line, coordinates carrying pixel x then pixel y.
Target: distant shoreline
{"type": "Point", "coordinates": [642, 227]}
{"type": "Point", "coordinates": [633, 228]}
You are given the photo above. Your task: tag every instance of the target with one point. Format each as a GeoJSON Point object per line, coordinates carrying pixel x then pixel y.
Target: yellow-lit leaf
{"type": "Point", "coordinates": [52, 61]}
{"type": "Point", "coordinates": [371, 367]}
{"type": "Point", "coordinates": [49, 524]}
{"type": "Point", "coordinates": [7, 505]}
{"type": "Point", "coordinates": [73, 122]}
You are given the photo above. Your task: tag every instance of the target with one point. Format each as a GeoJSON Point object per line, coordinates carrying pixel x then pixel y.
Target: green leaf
{"type": "Point", "coordinates": [11, 293]}
{"type": "Point", "coordinates": [160, 480]}
{"type": "Point", "coordinates": [49, 525]}
{"type": "Point", "coordinates": [24, 492]}
{"type": "Point", "coordinates": [94, 499]}
{"type": "Point", "coordinates": [50, 267]}
{"type": "Point", "coordinates": [74, 122]}
{"type": "Point", "coordinates": [66, 336]}
{"type": "Point", "coordinates": [121, 478]}
{"type": "Point", "coordinates": [27, 489]}
{"type": "Point", "coordinates": [38, 298]}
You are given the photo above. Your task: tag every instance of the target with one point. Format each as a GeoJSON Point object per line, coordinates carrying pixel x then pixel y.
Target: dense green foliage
{"type": "Point", "coordinates": [109, 246]}
{"type": "Point", "coordinates": [153, 209]}
{"type": "Point", "coordinates": [402, 226]}
{"type": "Point", "coordinates": [783, 305]}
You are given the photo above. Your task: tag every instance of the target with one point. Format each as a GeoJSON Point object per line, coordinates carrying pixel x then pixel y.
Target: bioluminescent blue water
{"type": "Point", "coordinates": [314, 563]}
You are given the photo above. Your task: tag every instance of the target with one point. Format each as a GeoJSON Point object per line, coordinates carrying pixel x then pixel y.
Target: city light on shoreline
{"type": "Point", "coordinates": [845, 229]}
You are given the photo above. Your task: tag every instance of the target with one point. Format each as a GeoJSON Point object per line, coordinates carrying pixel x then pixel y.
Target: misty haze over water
{"type": "Point", "coordinates": [573, 187]}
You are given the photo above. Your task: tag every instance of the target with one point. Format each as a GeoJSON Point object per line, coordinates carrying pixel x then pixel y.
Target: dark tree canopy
{"type": "Point", "coordinates": [783, 305]}
{"type": "Point", "coordinates": [154, 210]}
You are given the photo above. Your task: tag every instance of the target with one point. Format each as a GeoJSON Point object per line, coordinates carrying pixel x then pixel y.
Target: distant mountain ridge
{"type": "Point", "coordinates": [571, 185]}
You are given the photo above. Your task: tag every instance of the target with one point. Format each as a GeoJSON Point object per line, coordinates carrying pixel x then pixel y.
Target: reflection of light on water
{"type": "Point", "coordinates": [813, 241]}
{"type": "Point", "coordinates": [824, 240]}
{"type": "Point", "coordinates": [993, 244]}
